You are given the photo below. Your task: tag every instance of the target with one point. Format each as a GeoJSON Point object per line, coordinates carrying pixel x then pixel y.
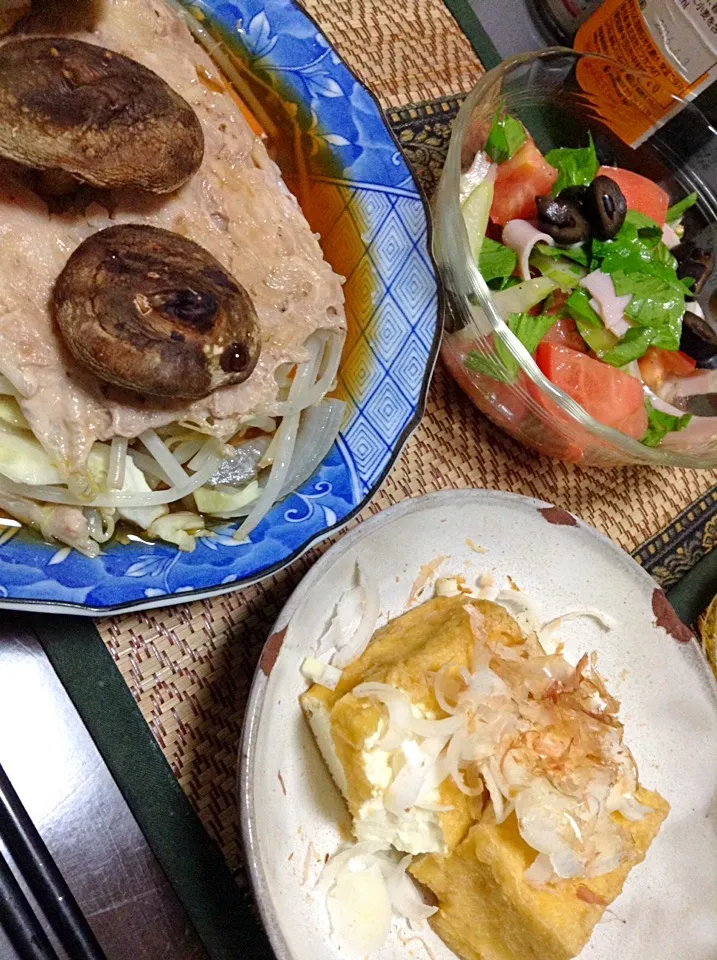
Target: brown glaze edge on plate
{"type": "Point", "coordinates": [271, 651]}
{"type": "Point", "coordinates": [666, 618]}
{"type": "Point", "coordinates": [558, 516]}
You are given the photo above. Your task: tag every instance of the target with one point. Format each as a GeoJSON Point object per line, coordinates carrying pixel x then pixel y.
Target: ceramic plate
{"type": "Point", "coordinates": [291, 811]}
{"type": "Point", "coordinates": [357, 192]}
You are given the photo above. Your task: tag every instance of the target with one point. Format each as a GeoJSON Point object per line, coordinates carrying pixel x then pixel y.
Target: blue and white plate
{"type": "Point", "coordinates": [361, 197]}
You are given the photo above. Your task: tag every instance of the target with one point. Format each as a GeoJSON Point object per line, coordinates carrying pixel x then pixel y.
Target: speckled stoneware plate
{"type": "Point", "coordinates": [291, 811]}
{"type": "Point", "coordinates": [338, 155]}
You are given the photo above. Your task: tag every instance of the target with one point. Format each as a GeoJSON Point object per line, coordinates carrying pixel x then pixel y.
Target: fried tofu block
{"type": "Point", "coordinates": [406, 654]}
{"type": "Point", "coordinates": [489, 912]}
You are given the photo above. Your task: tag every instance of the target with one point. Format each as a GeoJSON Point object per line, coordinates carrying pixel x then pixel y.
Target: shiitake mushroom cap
{"type": "Point", "coordinates": [150, 311]}
{"type": "Point", "coordinates": [98, 115]}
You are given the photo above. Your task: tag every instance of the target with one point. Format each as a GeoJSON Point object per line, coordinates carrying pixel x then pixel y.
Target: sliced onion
{"type": "Point", "coordinates": [344, 623]}
{"type": "Point", "coordinates": [499, 806]}
{"type": "Point", "coordinates": [101, 524]}
{"type": "Point", "coordinates": [481, 169]}
{"type": "Point", "coordinates": [436, 728]}
{"type": "Point", "coordinates": [307, 396]}
{"type": "Point", "coordinates": [363, 849]}
{"type": "Point", "coordinates": [545, 633]}
{"type": "Point", "coordinates": [353, 648]}
{"type": "Point", "coordinates": [527, 616]}
{"type": "Point", "coordinates": [540, 872]}
{"type": "Point", "coordinates": [405, 898]}
{"type": "Point", "coordinates": [318, 429]}
{"type": "Point", "coordinates": [631, 809]}
{"type": "Point", "coordinates": [359, 910]}
{"type": "Point", "coordinates": [117, 464]}
{"type": "Point", "coordinates": [408, 784]}
{"type": "Point", "coordinates": [453, 760]}
{"type": "Point", "coordinates": [441, 693]}
{"type": "Point", "coordinates": [521, 236]}
{"type": "Point", "coordinates": [399, 709]}
{"type": "Point", "coordinates": [286, 438]}
{"type": "Point", "coordinates": [610, 307]}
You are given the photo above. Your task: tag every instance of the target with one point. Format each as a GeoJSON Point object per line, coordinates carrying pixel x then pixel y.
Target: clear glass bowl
{"type": "Point", "coordinates": [541, 89]}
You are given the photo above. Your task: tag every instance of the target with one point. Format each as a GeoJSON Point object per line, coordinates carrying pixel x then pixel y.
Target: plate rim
{"type": "Point", "coordinates": [41, 605]}
{"type": "Point", "coordinates": [257, 694]}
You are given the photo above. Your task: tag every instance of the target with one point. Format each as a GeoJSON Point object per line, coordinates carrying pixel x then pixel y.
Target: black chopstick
{"type": "Point", "coordinates": [22, 927]}
{"type": "Point", "coordinates": [43, 878]}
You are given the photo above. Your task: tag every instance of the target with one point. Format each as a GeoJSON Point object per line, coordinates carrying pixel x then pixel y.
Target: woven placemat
{"type": "Point", "coordinates": [189, 667]}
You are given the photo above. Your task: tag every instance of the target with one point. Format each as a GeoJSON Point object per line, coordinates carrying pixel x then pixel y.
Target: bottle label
{"type": "Point", "coordinates": [670, 44]}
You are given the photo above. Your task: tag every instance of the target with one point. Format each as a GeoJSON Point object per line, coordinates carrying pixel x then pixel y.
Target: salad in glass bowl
{"type": "Point", "coordinates": [581, 332]}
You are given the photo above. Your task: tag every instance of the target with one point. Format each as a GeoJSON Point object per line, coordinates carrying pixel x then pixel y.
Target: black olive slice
{"type": "Point", "coordinates": [699, 340]}
{"type": "Point", "coordinates": [605, 207]}
{"type": "Point", "coordinates": [562, 219]}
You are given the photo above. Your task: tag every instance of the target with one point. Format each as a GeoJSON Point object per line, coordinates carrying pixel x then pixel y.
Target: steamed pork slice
{"type": "Point", "coordinates": [487, 909]}
{"type": "Point", "coordinates": [404, 654]}
{"type": "Point", "coordinates": [236, 206]}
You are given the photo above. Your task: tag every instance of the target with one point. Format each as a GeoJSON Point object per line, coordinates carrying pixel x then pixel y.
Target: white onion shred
{"type": "Point", "coordinates": [521, 236]}
{"type": "Point", "coordinates": [285, 436]}
{"type": "Point", "coordinates": [405, 898]}
{"type": "Point", "coordinates": [354, 622]}
{"type": "Point", "coordinates": [545, 633]}
{"type": "Point", "coordinates": [365, 885]}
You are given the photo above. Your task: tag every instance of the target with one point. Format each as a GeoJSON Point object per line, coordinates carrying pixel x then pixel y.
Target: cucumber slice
{"type": "Point", "coordinates": [476, 210]}
{"type": "Point", "coordinates": [523, 296]}
{"type": "Point", "coordinates": [564, 272]}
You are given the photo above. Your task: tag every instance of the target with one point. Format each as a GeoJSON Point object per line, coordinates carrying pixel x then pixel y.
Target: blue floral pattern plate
{"type": "Point", "coordinates": [363, 200]}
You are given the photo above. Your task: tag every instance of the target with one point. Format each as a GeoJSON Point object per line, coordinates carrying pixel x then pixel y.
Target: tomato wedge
{"type": "Point", "coordinates": [657, 364]}
{"type": "Point", "coordinates": [565, 333]}
{"type": "Point", "coordinates": [518, 182]}
{"type": "Point", "coordinates": [606, 393]}
{"type": "Point", "coordinates": [640, 193]}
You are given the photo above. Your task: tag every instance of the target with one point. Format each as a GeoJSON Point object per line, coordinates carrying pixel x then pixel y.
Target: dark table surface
{"type": "Point", "coordinates": [84, 820]}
